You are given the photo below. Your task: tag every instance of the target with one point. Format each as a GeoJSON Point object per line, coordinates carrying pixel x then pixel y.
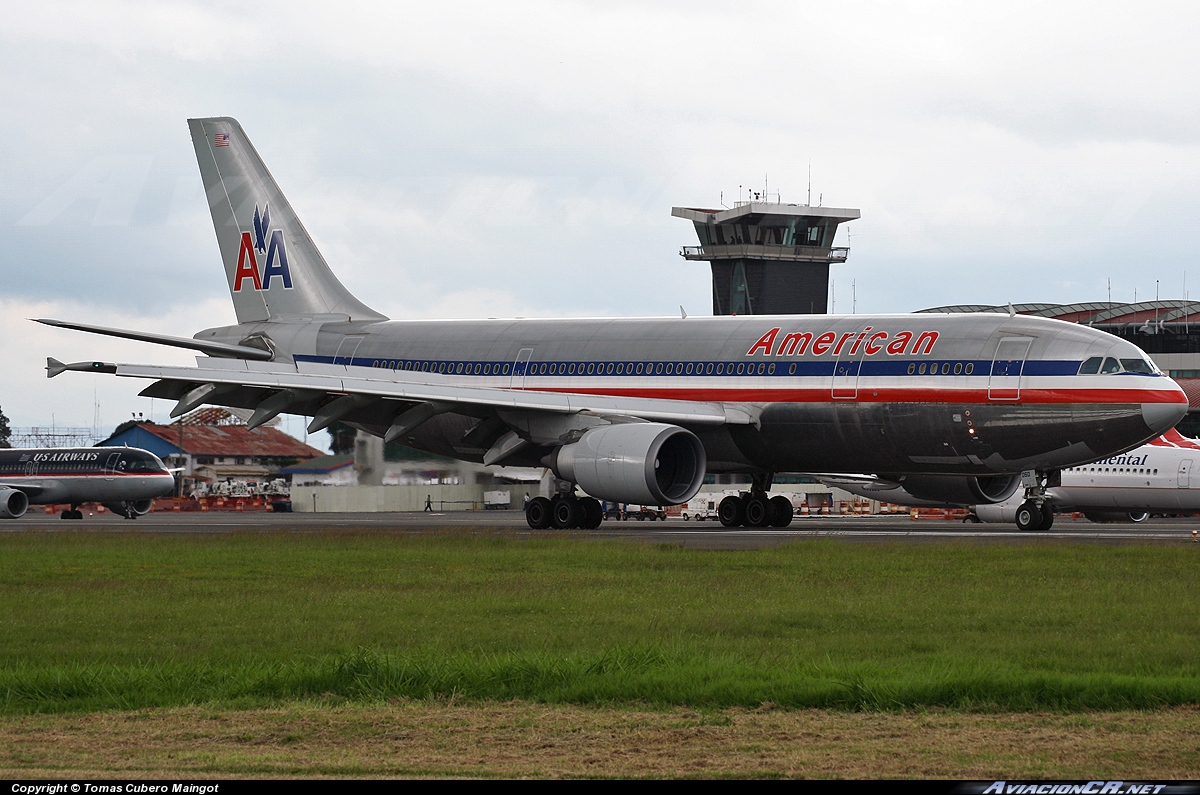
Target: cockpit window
{"type": "Point", "coordinates": [1137, 366]}
{"type": "Point", "coordinates": [1091, 366]}
{"type": "Point", "coordinates": [1110, 365]}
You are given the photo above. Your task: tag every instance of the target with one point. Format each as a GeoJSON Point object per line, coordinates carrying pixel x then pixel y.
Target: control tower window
{"type": "Point", "coordinates": [739, 292]}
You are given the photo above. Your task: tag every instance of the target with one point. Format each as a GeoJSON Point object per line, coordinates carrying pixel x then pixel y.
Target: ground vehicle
{"type": "Point", "coordinates": [701, 507]}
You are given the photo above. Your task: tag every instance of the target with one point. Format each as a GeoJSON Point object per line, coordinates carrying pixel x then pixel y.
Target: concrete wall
{"type": "Point", "coordinates": [380, 499]}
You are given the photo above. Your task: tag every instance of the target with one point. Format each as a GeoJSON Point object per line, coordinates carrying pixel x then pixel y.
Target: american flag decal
{"type": "Point", "coordinates": [221, 139]}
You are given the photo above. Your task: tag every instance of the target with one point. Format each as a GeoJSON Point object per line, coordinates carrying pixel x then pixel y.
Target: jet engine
{"type": "Point", "coordinates": [962, 490]}
{"type": "Point", "coordinates": [13, 503]}
{"type": "Point", "coordinates": [130, 509]}
{"type": "Point", "coordinates": [648, 463]}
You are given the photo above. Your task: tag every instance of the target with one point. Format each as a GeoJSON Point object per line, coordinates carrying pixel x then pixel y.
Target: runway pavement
{"type": "Point", "coordinates": [709, 535]}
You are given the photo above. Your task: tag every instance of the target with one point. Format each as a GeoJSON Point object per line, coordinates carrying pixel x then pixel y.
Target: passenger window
{"type": "Point", "coordinates": [945, 368]}
{"type": "Point", "coordinates": [1110, 365]}
{"type": "Point", "coordinates": [1137, 366]}
{"type": "Point", "coordinates": [921, 369]}
{"type": "Point", "coordinates": [1091, 366]}
{"type": "Point", "coordinates": [970, 368]}
{"type": "Point", "coordinates": [912, 368]}
{"type": "Point", "coordinates": [792, 370]}
{"type": "Point", "coordinates": [958, 368]}
{"type": "Point", "coordinates": [608, 370]}
{"type": "Point", "coordinates": [708, 368]}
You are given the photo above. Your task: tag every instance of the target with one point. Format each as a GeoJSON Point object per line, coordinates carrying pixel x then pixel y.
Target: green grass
{"type": "Point", "coordinates": [127, 621]}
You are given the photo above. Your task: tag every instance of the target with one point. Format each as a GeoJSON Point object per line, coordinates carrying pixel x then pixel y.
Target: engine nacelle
{"type": "Point", "coordinates": [962, 490]}
{"type": "Point", "coordinates": [130, 508]}
{"type": "Point", "coordinates": [649, 463]}
{"type": "Point", "coordinates": [13, 503]}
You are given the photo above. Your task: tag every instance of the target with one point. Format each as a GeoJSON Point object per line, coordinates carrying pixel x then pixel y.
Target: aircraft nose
{"type": "Point", "coordinates": [1162, 417]}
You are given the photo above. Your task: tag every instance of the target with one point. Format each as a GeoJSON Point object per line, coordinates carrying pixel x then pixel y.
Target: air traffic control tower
{"type": "Point", "coordinates": [768, 258]}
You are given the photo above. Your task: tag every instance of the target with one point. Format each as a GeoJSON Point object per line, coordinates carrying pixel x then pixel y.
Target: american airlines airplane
{"type": "Point", "coordinates": [1154, 478]}
{"type": "Point", "coordinates": [639, 410]}
{"type": "Point", "coordinates": [123, 479]}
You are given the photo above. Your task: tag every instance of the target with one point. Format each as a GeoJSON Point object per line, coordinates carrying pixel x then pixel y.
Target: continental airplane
{"type": "Point", "coordinates": [1154, 478]}
{"type": "Point", "coordinates": [123, 479]}
{"type": "Point", "coordinates": [640, 410]}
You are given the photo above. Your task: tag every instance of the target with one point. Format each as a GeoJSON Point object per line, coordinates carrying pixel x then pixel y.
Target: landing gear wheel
{"type": "Point", "coordinates": [758, 512]}
{"type": "Point", "coordinates": [592, 513]}
{"type": "Point", "coordinates": [731, 511]}
{"type": "Point", "coordinates": [565, 513]}
{"type": "Point", "coordinates": [1137, 517]}
{"type": "Point", "coordinates": [781, 511]}
{"type": "Point", "coordinates": [1047, 517]}
{"type": "Point", "coordinates": [537, 513]}
{"type": "Point", "coordinates": [1028, 517]}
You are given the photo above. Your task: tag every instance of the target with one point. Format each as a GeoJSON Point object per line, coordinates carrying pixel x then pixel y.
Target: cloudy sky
{"type": "Point", "coordinates": [461, 160]}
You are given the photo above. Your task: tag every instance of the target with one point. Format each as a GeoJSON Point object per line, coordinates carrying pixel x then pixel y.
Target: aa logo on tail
{"type": "Point", "coordinates": [265, 242]}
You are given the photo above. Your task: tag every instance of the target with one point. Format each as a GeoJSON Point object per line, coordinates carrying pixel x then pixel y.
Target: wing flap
{"type": "Point", "coordinates": [423, 388]}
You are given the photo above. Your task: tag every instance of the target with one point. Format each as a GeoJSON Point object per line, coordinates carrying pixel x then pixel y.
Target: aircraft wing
{"type": "Point", "coordinates": [29, 489]}
{"type": "Point", "coordinates": [400, 398]}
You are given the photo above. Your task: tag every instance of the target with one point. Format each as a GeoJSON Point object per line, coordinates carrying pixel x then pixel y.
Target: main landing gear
{"type": "Point", "coordinates": [1036, 514]}
{"type": "Point", "coordinates": [756, 509]}
{"type": "Point", "coordinates": [564, 512]}
{"type": "Point", "coordinates": [74, 513]}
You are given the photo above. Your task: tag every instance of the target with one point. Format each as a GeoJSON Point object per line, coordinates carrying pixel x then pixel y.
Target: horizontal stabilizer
{"type": "Point", "coordinates": [221, 349]}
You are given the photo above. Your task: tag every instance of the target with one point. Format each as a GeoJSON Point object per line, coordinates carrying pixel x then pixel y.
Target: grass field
{"type": "Point", "coordinates": [97, 622]}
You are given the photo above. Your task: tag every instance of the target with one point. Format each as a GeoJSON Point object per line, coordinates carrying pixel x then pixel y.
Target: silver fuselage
{"type": "Point", "coordinates": [972, 394]}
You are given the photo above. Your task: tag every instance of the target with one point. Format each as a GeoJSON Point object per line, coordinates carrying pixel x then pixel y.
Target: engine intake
{"type": "Point", "coordinates": [962, 489]}
{"type": "Point", "coordinates": [649, 463]}
{"type": "Point", "coordinates": [13, 503]}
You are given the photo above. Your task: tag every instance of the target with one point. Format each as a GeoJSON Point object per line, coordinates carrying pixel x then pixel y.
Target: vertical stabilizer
{"type": "Point", "coordinates": [273, 267]}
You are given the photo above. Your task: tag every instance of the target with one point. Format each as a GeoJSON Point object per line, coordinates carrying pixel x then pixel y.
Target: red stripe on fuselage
{"type": "Point", "coordinates": [887, 395]}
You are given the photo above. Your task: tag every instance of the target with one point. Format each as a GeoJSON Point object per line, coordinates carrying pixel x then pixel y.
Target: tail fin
{"type": "Point", "coordinates": [274, 269]}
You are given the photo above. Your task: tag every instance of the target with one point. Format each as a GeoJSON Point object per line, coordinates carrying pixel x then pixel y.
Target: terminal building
{"type": "Point", "coordinates": [768, 258]}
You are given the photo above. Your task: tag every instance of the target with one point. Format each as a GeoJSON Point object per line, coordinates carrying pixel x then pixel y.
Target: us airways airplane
{"type": "Point", "coordinates": [123, 479]}
{"type": "Point", "coordinates": [639, 410]}
{"type": "Point", "coordinates": [1154, 478]}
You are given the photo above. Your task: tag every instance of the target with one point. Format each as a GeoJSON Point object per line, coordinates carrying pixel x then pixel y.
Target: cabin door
{"type": "Point", "coordinates": [845, 373]}
{"type": "Point", "coordinates": [1185, 473]}
{"type": "Point", "coordinates": [110, 466]}
{"type": "Point", "coordinates": [519, 366]}
{"type": "Point", "coordinates": [1004, 382]}
{"type": "Point", "coordinates": [346, 349]}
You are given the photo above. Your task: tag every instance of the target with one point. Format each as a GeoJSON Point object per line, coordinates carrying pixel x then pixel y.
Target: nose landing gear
{"type": "Point", "coordinates": [1036, 514]}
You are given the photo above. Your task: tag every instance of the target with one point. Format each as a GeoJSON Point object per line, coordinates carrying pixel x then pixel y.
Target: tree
{"type": "Point", "coordinates": [5, 431]}
{"type": "Point", "coordinates": [341, 439]}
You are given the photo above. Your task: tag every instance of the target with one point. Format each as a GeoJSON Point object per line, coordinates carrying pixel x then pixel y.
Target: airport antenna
{"type": "Point", "coordinates": [809, 182]}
